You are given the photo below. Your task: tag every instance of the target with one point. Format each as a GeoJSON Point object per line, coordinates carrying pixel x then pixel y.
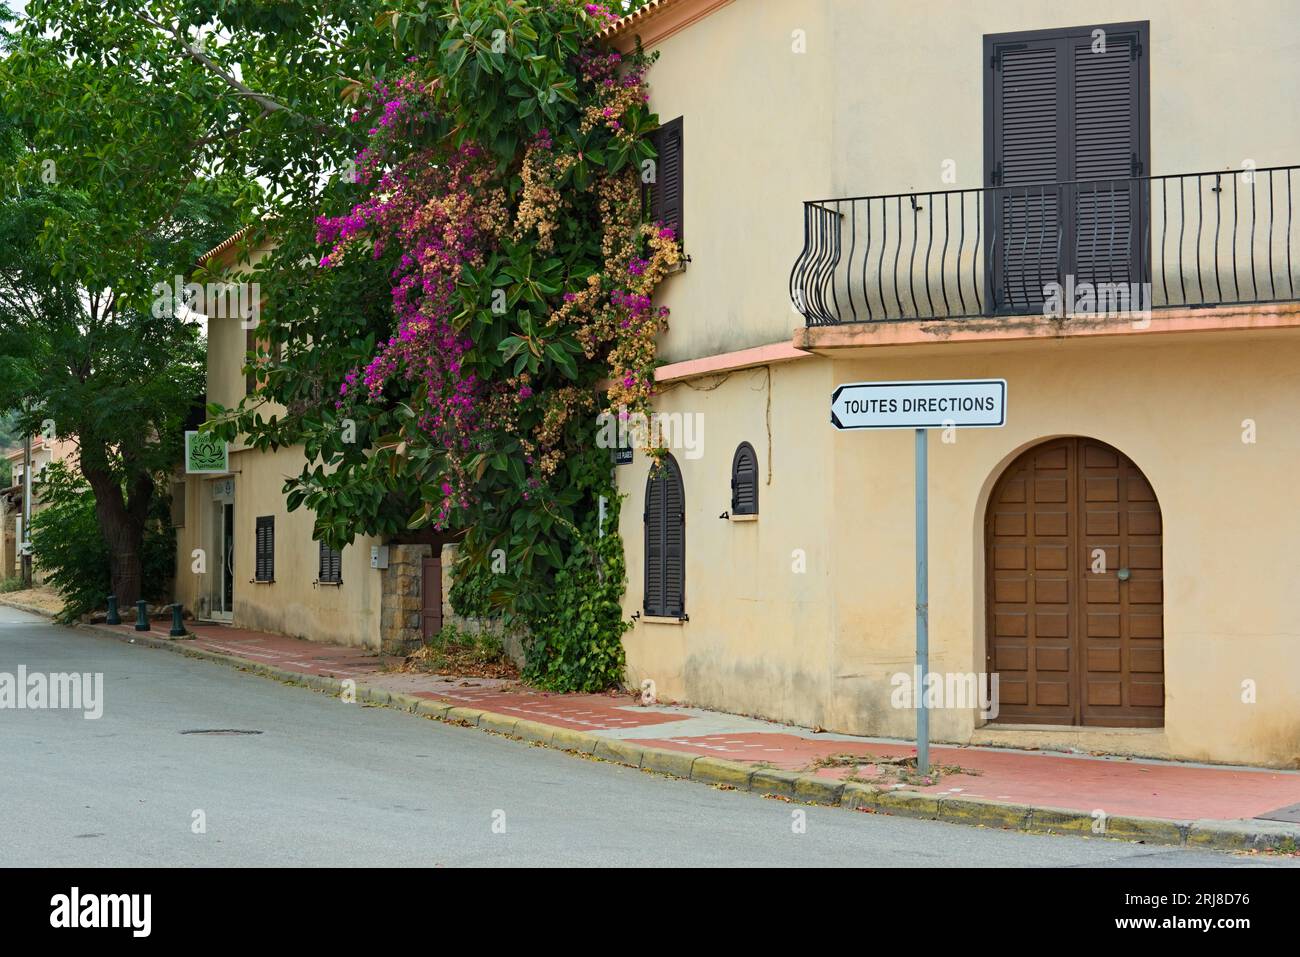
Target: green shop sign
{"type": "Point", "coordinates": [206, 454]}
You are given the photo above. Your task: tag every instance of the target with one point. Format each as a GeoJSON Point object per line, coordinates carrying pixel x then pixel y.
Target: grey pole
{"type": "Point", "coordinates": [27, 509]}
{"type": "Point", "coordinates": [922, 602]}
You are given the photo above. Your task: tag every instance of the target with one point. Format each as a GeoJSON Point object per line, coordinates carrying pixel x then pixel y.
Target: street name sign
{"type": "Point", "coordinates": [936, 404]}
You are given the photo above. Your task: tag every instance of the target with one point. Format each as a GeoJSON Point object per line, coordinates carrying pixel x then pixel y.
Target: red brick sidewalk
{"type": "Point", "coordinates": [1116, 786]}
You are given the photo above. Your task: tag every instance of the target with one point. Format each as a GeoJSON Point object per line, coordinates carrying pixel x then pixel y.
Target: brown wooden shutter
{"type": "Point", "coordinates": [331, 565]}
{"type": "Point", "coordinates": [654, 543]}
{"type": "Point", "coordinates": [264, 564]}
{"type": "Point", "coordinates": [674, 541]}
{"type": "Point", "coordinates": [665, 541]}
{"type": "Point", "coordinates": [1106, 138]}
{"type": "Point", "coordinates": [744, 481]}
{"type": "Point", "coordinates": [666, 191]}
{"type": "Point", "coordinates": [1066, 118]}
{"type": "Point", "coordinates": [1028, 151]}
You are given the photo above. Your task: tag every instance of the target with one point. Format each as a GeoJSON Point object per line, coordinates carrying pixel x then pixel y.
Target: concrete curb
{"type": "Point", "coordinates": [30, 609]}
{"type": "Point", "coordinates": [1245, 835]}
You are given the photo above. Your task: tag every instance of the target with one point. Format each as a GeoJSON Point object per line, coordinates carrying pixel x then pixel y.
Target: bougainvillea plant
{"type": "Point", "coordinates": [497, 198]}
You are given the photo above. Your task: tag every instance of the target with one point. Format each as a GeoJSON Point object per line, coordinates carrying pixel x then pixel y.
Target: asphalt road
{"type": "Point", "coordinates": [329, 783]}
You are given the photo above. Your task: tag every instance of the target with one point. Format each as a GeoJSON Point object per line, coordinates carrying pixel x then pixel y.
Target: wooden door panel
{"type": "Point", "coordinates": [431, 596]}
{"type": "Point", "coordinates": [1029, 559]}
{"type": "Point", "coordinates": [1117, 488]}
{"type": "Point", "coordinates": [1073, 640]}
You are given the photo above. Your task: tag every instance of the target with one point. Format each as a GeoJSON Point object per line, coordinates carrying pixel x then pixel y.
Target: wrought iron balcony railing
{"type": "Point", "coordinates": [1123, 244]}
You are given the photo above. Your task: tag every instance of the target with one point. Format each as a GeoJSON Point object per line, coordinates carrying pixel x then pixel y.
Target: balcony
{"type": "Point", "coordinates": [1106, 246]}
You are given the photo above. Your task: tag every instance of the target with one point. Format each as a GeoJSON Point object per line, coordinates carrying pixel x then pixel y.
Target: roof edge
{"type": "Point", "coordinates": [658, 20]}
{"type": "Point", "coordinates": [225, 244]}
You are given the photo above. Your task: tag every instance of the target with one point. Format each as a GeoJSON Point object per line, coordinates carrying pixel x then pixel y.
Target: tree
{"type": "Point", "coordinates": [469, 302]}
{"type": "Point", "coordinates": [133, 141]}
{"type": "Point", "coordinates": [74, 556]}
{"type": "Point", "coordinates": [472, 170]}
{"type": "Point", "coordinates": [84, 365]}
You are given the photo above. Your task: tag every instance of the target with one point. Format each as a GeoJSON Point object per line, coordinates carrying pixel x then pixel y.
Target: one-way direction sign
{"type": "Point", "coordinates": [959, 403]}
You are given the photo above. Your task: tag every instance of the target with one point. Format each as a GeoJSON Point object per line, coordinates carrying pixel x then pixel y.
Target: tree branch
{"type": "Point", "coordinates": [268, 104]}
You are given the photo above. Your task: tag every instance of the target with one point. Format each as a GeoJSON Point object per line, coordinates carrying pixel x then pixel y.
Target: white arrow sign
{"type": "Point", "coordinates": [958, 403]}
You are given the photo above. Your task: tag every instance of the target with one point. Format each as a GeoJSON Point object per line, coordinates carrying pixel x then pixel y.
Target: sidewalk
{"type": "Point", "coordinates": [1156, 801]}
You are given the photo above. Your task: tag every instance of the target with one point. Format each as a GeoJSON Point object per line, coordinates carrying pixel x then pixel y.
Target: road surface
{"type": "Point", "coordinates": [330, 783]}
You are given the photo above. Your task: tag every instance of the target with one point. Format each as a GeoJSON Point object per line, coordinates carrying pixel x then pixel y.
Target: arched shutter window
{"type": "Point", "coordinates": [665, 541]}
{"type": "Point", "coordinates": [744, 481]}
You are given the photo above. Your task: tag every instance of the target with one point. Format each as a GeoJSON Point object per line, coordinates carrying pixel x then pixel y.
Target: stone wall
{"type": "Point", "coordinates": [402, 604]}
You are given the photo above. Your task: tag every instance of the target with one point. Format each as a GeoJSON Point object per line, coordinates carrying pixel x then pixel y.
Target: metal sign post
{"type": "Point", "coordinates": [922, 599]}
{"type": "Point", "coordinates": [950, 404]}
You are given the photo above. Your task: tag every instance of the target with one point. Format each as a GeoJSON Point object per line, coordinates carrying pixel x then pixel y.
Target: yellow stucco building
{"type": "Point", "coordinates": [1118, 554]}
{"type": "Point", "coordinates": [1101, 214]}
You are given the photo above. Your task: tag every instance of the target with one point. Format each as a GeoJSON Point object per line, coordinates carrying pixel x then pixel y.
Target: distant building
{"type": "Point", "coordinates": [244, 559]}
{"type": "Point", "coordinates": [44, 452]}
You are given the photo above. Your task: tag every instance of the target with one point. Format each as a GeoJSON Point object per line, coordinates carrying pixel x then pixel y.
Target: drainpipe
{"type": "Point", "coordinates": [24, 546]}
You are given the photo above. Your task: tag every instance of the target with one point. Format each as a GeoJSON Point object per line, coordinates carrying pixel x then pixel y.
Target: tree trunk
{"type": "Point", "coordinates": [125, 562]}
{"type": "Point", "coordinates": [122, 525]}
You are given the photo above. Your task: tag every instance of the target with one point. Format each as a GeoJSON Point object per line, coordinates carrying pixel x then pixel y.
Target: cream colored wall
{"type": "Point", "coordinates": [819, 649]}
{"type": "Point", "coordinates": [887, 91]}
{"type": "Point", "coordinates": [1176, 407]}
{"type": "Point", "coordinates": [909, 84]}
{"type": "Point", "coordinates": [760, 636]}
{"type": "Point", "coordinates": [755, 121]}
{"type": "Point", "coordinates": [294, 603]}
{"type": "Point", "coordinates": [227, 346]}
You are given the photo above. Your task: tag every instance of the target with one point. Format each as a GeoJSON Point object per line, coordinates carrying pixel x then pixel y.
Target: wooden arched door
{"type": "Point", "coordinates": [1074, 589]}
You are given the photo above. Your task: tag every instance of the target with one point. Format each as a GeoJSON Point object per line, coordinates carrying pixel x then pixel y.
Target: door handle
{"type": "Point", "coordinates": [1122, 574]}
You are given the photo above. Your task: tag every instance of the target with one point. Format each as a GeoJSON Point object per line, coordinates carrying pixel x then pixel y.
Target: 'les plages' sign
{"type": "Point", "coordinates": [960, 403]}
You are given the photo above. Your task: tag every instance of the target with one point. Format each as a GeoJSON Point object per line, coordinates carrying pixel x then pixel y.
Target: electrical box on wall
{"type": "Point", "coordinates": [378, 556]}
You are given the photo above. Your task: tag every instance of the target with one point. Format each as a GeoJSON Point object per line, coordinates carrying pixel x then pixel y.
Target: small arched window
{"type": "Point", "coordinates": [744, 481]}
{"type": "Point", "coordinates": [665, 541]}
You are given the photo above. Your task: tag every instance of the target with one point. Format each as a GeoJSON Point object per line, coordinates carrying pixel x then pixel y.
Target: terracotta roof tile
{"type": "Point", "coordinates": [626, 23]}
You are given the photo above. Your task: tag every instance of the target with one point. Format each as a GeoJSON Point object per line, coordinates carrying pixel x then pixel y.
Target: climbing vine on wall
{"type": "Point", "coordinates": [498, 197]}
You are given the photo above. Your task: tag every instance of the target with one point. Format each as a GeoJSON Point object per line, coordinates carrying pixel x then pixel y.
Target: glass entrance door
{"type": "Point", "coordinates": [222, 580]}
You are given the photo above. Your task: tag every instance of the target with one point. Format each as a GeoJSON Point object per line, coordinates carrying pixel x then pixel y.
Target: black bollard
{"type": "Point", "coordinates": [141, 618]}
{"type": "Point", "coordinates": [178, 625]}
{"type": "Point", "coordinates": [113, 617]}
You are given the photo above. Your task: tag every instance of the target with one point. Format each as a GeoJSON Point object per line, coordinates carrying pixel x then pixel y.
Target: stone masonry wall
{"type": "Point", "coordinates": [401, 604]}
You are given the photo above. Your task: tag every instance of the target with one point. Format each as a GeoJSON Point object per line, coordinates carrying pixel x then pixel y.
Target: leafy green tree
{"type": "Point", "coordinates": [90, 362]}
{"type": "Point", "coordinates": [133, 137]}
{"type": "Point", "coordinates": [74, 556]}
{"type": "Point", "coordinates": [165, 122]}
